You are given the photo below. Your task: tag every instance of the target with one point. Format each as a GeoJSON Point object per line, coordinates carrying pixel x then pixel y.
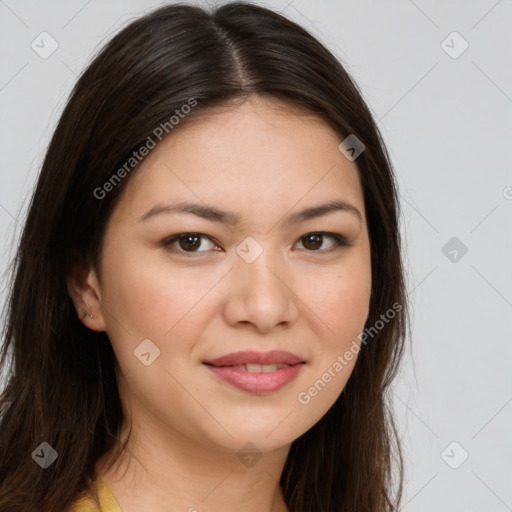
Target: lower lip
{"type": "Point", "coordinates": [258, 382]}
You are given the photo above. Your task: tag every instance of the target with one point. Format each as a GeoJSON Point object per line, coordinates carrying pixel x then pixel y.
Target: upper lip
{"type": "Point", "coordinates": [253, 357]}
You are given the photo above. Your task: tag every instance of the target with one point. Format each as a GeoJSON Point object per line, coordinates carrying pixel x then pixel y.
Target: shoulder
{"type": "Point", "coordinates": [85, 503]}
{"type": "Point", "coordinates": [99, 499]}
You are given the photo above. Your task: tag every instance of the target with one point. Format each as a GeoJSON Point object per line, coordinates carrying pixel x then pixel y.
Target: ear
{"type": "Point", "coordinates": [84, 290]}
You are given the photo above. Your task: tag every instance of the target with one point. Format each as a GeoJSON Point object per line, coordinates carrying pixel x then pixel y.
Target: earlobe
{"type": "Point", "coordinates": [84, 290]}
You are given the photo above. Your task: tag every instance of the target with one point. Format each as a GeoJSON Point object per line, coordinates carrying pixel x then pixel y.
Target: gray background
{"type": "Point", "coordinates": [447, 120]}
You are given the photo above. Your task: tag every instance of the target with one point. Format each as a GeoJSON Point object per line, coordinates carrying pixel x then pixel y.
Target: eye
{"type": "Point", "coordinates": [190, 242]}
{"type": "Point", "coordinates": [193, 242]}
{"type": "Point", "coordinates": [314, 241]}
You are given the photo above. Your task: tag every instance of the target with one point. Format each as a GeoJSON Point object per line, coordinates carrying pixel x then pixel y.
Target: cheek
{"type": "Point", "coordinates": [150, 298]}
{"type": "Point", "coordinates": [340, 300]}
{"type": "Point", "coordinates": [340, 303]}
{"type": "Point", "coordinates": [148, 301]}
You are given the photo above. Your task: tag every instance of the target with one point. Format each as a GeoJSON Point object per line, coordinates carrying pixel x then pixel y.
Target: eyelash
{"type": "Point", "coordinates": [339, 242]}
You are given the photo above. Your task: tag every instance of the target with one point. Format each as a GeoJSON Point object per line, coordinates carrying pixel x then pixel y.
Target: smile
{"type": "Point", "coordinates": [265, 373]}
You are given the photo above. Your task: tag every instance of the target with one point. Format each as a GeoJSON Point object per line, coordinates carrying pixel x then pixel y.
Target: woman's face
{"type": "Point", "coordinates": [257, 268]}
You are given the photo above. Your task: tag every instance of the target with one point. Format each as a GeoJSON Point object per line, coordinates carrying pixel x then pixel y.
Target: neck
{"type": "Point", "coordinates": [169, 471]}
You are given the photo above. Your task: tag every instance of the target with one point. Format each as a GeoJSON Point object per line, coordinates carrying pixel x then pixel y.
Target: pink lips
{"type": "Point", "coordinates": [256, 382]}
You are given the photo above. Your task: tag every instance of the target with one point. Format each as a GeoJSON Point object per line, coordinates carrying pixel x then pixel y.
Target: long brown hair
{"type": "Point", "coordinates": [61, 377]}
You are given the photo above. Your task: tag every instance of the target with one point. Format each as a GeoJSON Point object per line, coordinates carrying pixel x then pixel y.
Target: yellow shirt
{"type": "Point", "coordinates": [107, 500]}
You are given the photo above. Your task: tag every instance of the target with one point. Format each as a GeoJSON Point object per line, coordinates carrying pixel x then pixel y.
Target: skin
{"type": "Point", "coordinates": [262, 160]}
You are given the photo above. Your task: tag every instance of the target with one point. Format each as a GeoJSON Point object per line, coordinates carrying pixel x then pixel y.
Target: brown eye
{"type": "Point", "coordinates": [190, 243]}
{"type": "Point", "coordinates": [314, 241]}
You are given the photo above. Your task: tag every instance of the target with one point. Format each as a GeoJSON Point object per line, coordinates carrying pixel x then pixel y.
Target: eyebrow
{"type": "Point", "coordinates": [215, 214]}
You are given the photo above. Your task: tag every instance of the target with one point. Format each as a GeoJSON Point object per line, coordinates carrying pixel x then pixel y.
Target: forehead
{"type": "Point", "coordinates": [260, 150]}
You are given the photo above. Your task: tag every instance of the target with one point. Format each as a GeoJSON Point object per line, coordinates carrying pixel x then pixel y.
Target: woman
{"type": "Point", "coordinates": [208, 304]}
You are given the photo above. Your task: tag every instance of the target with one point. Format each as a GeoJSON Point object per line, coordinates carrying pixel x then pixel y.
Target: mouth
{"type": "Point", "coordinates": [257, 372]}
{"type": "Point", "coordinates": [258, 368]}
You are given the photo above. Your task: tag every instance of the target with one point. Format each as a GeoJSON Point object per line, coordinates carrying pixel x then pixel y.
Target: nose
{"type": "Point", "coordinates": [260, 295]}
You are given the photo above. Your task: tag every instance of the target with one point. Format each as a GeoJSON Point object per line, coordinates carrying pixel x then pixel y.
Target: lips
{"type": "Point", "coordinates": [257, 372]}
{"type": "Point", "coordinates": [256, 358]}
{"type": "Point", "coordinates": [255, 368]}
